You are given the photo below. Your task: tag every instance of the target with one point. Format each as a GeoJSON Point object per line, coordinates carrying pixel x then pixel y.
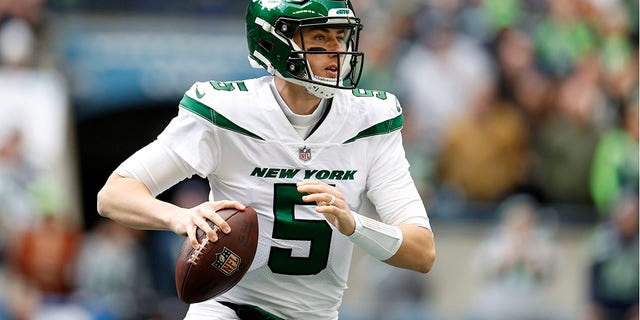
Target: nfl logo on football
{"type": "Point", "coordinates": [305, 154]}
{"type": "Point", "coordinates": [227, 261]}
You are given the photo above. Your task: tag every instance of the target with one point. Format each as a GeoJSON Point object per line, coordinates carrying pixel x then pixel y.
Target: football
{"type": "Point", "coordinates": [215, 267]}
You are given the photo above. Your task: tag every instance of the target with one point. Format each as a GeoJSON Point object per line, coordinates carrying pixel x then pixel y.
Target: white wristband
{"type": "Point", "coordinates": [376, 238]}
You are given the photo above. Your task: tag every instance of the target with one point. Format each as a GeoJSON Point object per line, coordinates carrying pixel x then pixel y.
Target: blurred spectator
{"type": "Point", "coordinates": [503, 13]}
{"type": "Point", "coordinates": [382, 47]}
{"type": "Point", "coordinates": [521, 83]}
{"type": "Point", "coordinates": [30, 11]}
{"type": "Point", "coordinates": [111, 276]}
{"type": "Point", "coordinates": [17, 172]}
{"type": "Point", "coordinates": [614, 264]}
{"type": "Point", "coordinates": [474, 21]}
{"type": "Point", "coordinates": [438, 74]}
{"type": "Point", "coordinates": [17, 44]}
{"type": "Point", "coordinates": [390, 34]}
{"type": "Point", "coordinates": [513, 51]}
{"type": "Point", "coordinates": [514, 264]}
{"type": "Point", "coordinates": [17, 210]}
{"type": "Point", "coordinates": [534, 94]}
{"type": "Point", "coordinates": [388, 293]}
{"type": "Point", "coordinates": [486, 153]}
{"type": "Point", "coordinates": [563, 37]}
{"type": "Point", "coordinates": [19, 299]}
{"type": "Point", "coordinates": [615, 165]}
{"type": "Point", "coordinates": [566, 141]}
{"type": "Point", "coordinates": [44, 253]}
{"type": "Point", "coordinates": [400, 295]}
{"type": "Point", "coordinates": [618, 57]}
{"type": "Point", "coordinates": [484, 19]}
{"type": "Point", "coordinates": [631, 8]}
{"type": "Point", "coordinates": [422, 169]}
{"type": "Point", "coordinates": [40, 267]}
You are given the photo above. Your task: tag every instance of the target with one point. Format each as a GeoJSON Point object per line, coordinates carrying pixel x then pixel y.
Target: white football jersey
{"type": "Point", "coordinates": [236, 135]}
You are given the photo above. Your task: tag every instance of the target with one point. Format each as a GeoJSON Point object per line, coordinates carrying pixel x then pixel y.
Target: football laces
{"type": "Point", "coordinates": [195, 256]}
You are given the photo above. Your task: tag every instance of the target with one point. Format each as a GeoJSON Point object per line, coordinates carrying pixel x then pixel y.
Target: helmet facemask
{"type": "Point", "coordinates": [348, 61]}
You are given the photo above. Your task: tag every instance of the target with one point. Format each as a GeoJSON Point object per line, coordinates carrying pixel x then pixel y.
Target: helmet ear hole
{"type": "Point", "coordinates": [266, 45]}
{"type": "Point", "coordinates": [286, 27]}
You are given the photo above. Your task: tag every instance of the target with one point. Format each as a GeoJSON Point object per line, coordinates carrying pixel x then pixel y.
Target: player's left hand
{"type": "Point", "coordinates": [331, 203]}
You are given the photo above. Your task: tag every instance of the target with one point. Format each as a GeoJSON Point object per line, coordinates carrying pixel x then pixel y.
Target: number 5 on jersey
{"type": "Point", "coordinates": [287, 227]}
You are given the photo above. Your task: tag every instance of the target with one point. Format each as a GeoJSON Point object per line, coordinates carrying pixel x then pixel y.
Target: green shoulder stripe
{"type": "Point", "coordinates": [383, 127]}
{"type": "Point", "coordinates": [214, 117]}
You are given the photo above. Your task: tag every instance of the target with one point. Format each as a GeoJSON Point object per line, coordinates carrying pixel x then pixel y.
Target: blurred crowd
{"type": "Point", "coordinates": [506, 100]}
{"type": "Point", "coordinates": [512, 96]}
{"type": "Point", "coordinates": [510, 106]}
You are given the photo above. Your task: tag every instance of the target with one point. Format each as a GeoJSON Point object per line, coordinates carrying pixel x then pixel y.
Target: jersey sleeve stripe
{"type": "Point", "coordinates": [383, 127]}
{"type": "Point", "coordinates": [212, 116]}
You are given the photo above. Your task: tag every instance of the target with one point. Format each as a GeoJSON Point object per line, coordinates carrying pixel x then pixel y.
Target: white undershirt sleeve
{"type": "Point", "coordinates": [156, 166]}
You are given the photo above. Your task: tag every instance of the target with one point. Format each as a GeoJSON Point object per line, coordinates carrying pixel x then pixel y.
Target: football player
{"type": "Point", "coordinates": [305, 148]}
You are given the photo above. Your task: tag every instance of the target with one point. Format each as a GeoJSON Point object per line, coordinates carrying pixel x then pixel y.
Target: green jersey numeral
{"type": "Point", "coordinates": [370, 93]}
{"type": "Point", "coordinates": [229, 85]}
{"type": "Point", "coordinates": [287, 227]}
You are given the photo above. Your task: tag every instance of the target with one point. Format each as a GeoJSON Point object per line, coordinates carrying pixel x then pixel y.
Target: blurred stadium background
{"type": "Point", "coordinates": [521, 129]}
